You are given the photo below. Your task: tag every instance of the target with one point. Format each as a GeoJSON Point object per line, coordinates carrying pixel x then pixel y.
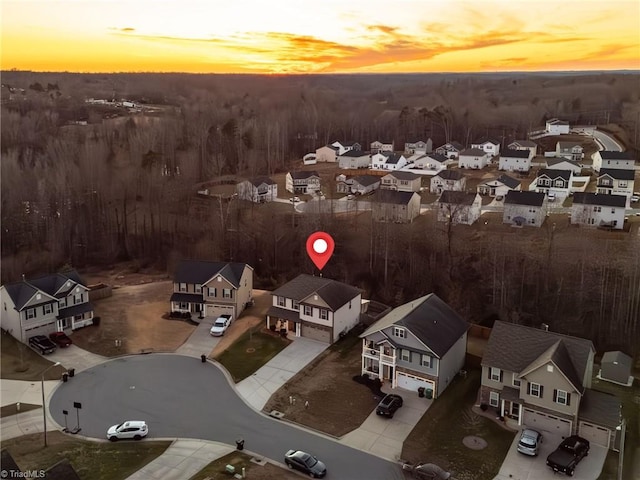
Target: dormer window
{"type": "Point", "coordinates": [399, 332]}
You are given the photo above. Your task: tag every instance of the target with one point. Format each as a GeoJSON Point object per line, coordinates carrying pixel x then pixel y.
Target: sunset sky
{"type": "Point", "coordinates": [321, 36]}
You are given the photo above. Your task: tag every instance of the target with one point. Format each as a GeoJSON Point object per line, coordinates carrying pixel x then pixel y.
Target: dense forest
{"type": "Point", "coordinates": [92, 184]}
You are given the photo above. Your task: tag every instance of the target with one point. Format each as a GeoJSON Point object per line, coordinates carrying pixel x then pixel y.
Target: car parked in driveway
{"type": "Point", "coordinates": [42, 344]}
{"type": "Point", "coordinates": [306, 463]}
{"type": "Point", "coordinates": [135, 429]}
{"type": "Point", "coordinates": [389, 405]}
{"type": "Point", "coordinates": [60, 339]}
{"type": "Point", "coordinates": [220, 325]}
{"type": "Point", "coordinates": [529, 443]}
{"type": "Point", "coordinates": [566, 457]}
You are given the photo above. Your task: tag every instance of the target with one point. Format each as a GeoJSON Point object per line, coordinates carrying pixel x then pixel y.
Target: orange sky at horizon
{"type": "Point", "coordinates": [300, 36]}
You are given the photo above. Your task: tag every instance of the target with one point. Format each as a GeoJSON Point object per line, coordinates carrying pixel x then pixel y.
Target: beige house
{"type": "Point", "coordinates": [210, 289]}
{"type": "Point", "coordinates": [393, 206]}
{"type": "Point", "coordinates": [541, 379]}
{"type": "Point", "coordinates": [402, 181]}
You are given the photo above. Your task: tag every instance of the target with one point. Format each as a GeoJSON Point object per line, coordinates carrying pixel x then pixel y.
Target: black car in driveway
{"type": "Point", "coordinates": [306, 463]}
{"type": "Point", "coordinates": [568, 454]}
{"type": "Point", "coordinates": [42, 344]}
{"type": "Point", "coordinates": [389, 405]}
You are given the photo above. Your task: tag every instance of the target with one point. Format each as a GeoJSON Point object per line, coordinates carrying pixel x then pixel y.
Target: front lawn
{"type": "Point", "coordinates": [216, 469]}
{"type": "Point", "coordinates": [91, 460]}
{"type": "Point", "coordinates": [19, 362]}
{"type": "Point", "coordinates": [437, 438]}
{"type": "Point", "coordinates": [250, 352]}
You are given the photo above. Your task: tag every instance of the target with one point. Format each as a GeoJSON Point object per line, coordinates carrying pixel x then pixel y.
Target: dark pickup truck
{"type": "Point", "coordinates": [565, 458]}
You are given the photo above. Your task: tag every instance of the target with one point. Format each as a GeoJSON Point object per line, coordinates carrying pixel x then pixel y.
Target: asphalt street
{"type": "Point", "coordinates": [181, 397]}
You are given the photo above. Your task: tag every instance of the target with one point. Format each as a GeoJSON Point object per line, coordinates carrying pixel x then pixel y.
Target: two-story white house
{"type": "Point", "coordinates": [616, 182]}
{"type": "Point", "coordinates": [525, 209]}
{"type": "Point", "coordinates": [258, 190]}
{"type": "Point", "coordinates": [418, 146]}
{"type": "Point", "coordinates": [381, 146]}
{"type": "Point", "coordinates": [388, 161]}
{"type": "Point", "coordinates": [352, 159]}
{"type": "Point", "coordinates": [611, 159]}
{"type": "Point", "coordinates": [210, 289]}
{"type": "Point", "coordinates": [363, 184]}
{"type": "Point", "coordinates": [570, 151]}
{"type": "Point", "coordinates": [420, 344]}
{"type": "Point", "coordinates": [448, 180]}
{"type": "Point", "coordinates": [315, 307]}
{"type": "Point", "coordinates": [451, 150]}
{"type": "Point", "coordinates": [555, 126]}
{"type": "Point", "coordinates": [459, 207]}
{"type": "Point", "coordinates": [550, 181]}
{"type": "Point", "coordinates": [515, 160]}
{"type": "Point", "coordinates": [346, 146]}
{"type": "Point", "coordinates": [432, 161]}
{"type": "Point", "coordinates": [473, 158]}
{"type": "Point", "coordinates": [542, 380]}
{"type": "Point", "coordinates": [402, 181]}
{"type": "Point", "coordinates": [40, 306]}
{"type": "Point", "coordinates": [327, 154]}
{"type": "Point", "coordinates": [563, 164]}
{"type": "Point", "coordinates": [532, 147]}
{"type": "Point", "coordinates": [302, 182]}
{"type": "Point", "coordinates": [596, 210]}
{"type": "Point", "coordinates": [498, 187]}
{"type": "Point", "coordinates": [487, 145]}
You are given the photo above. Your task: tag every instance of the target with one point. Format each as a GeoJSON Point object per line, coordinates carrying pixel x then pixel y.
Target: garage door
{"type": "Point", "coordinates": [217, 310]}
{"type": "Point", "coordinates": [316, 333]}
{"type": "Point", "coordinates": [595, 434]}
{"type": "Point", "coordinates": [548, 423]}
{"type": "Point", "coordinates": [411, 382]}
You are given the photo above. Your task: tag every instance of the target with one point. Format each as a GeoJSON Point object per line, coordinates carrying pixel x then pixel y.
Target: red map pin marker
{"type": "Point", "coordinates": [320, 248]}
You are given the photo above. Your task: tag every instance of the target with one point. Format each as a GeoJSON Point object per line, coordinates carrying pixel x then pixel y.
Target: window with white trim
{"type": "Point", "coordinates": [308, 310]}
{"type": "Point", "coordinates": [495, 374]}
{"type": "Point", "coordinates": [182, 287]}
{"type": "Point", "coordinates": [425, 361]}
{"type": "Point", "coordinates": [405, 355]}
{"type": "Point", "coordinates": [535, 390]}
{"type": "Point", "coordinates": [213, 292]}
{"type": "Point", "coordinates": [324, 314]}
{"type": "Point", "coordinates": [516, 380]}
{"type": "Point", "coordinates": [296, 305]}
{"type": "Point", "coordinates": [399, 332]}
{"type": "Point", "coordinates": [47, 309]}
{"type": "Point", "coordinates": [561, 397]}
{"type": "Point", "coordinates": [198, 288]}
{"type": "Point", "coordinates": [30, 313]}
{"type": "Point", "coordinates": [494, 399]}
{"type": "Point", "coordinates": [281, 301]}
{"type": "Point", "coordinates": [62, 303]}
{"type": "Point", "coordinates": [227, 293]}
{"type": "Point", "coordinates": [77, 298]}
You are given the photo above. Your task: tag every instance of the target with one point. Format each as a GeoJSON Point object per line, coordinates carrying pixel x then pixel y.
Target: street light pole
{"type": "Point", "coordinates": [44, 407]}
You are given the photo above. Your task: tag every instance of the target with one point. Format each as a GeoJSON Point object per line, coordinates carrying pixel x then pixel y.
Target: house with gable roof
{"type": "Point", "coordinates": [557, 182]}
{"type": "Point", "coordinates": [260, 189]}
{"type": "Point", "coordinates": [499, 186]}
{"type": "Point", "coordinates": [419, 344]}
{"type": "Point", "coordinates": [432, 161]}
{"type": "Point", "coordinates": [395, 207]}
{"type": "Point", "coordinates": [381, 146]}
{"type": "Point", "coordinates": [525, 145]}
{"type": "Point", "coordinates": [448, 180]}
{"type": "Point", "coordinates": [450, 150]}
{"type": "Point", "coordinates": [598, 210]}
{"type": "Point", "coordinates": [402, 181]}
{"type": "Point", "coordinates": [346, 146]}
{"type": "Point", "coordinates": [43, 305]}
{"type": "Point", "coordinates": [211, 289]}
{"type": "Point", "coordinates": [570, 151]}
{"type": "Point", "coordinates": [515, 160]}
{"type": "Point", "coordinates": [384, 160]}
{"type": "Point", "coordinates": [612, 160]}
{"type": "Point", "coordinates": [555, 126]}
{"type": "Point", "coordinates": [302, 182]}
{"type": "Point", "coordinates": [363, 184]}
{"type": "Point", "coordinates": [563, 164]}
{"type": "Point", "coordinates": [542, 380]}
{"type": "Point", "coordinates": [418, 146]}
{"type": "Point", "coordinates": [459, 207]}
{"type": "Point", "coordinates": [525, 208]}
{"type": "Point", "coordinates": [473, 158]}
{"type": "Point", "coordinates": [487, 145]}
{"type": "Point", "coordinates": [353, 159]}
{"type": "Point", "coordinates": [327, 154]}
{"type": "Point", "coordinates": [614, 181]}
{"type": "Point", "coordinates": [315, 307]}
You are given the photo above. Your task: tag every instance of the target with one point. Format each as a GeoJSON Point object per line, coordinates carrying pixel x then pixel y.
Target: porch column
{"type": "Point", "coordinates": [267, 320]}
{"type": "Point", "coordinates": [298, 329]}
{"type": "Point", "coordinates": [519, 414]}
{"type": "Point", "coordinates": [502, 408]}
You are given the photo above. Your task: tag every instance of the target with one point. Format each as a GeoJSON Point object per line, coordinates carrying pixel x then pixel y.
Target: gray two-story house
{"type": "Point", "coordinates": [210, 289]}
{"type": "Point", "coordinates": [524, 208]}
{"type": "Point", "coordinates": [542, 380]}
{"type": "Point", "coordinates": [419, 344]}
{"type": "Point", "coordinates": [40, 306]}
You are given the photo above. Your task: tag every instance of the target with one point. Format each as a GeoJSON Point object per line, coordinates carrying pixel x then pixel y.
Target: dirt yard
{"type": "Point", "coordinates": [337, 404]}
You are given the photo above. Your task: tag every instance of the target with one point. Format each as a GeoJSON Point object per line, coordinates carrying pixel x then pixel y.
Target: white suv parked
{"type": "Point", "coordinates": [135, 429]}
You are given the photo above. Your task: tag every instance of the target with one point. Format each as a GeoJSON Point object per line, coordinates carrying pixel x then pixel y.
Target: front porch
{"type": "Point", "coordinates": [379, 361]}
{"type": "Point", "coordinates": [283, 320]}
{"type": "Point", "coordinates": [187, 302]}
{"type": "Point", "coordinates": [75, 317]}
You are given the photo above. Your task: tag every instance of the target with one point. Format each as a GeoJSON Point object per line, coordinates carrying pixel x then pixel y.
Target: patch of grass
{"type": "Point", "coordinates": [437, 438]}
{"type": "Point", "coordinates": [12, 409]}
{"type": "Point", "coordinates": [250, 352]}
{"type": "Point", "coordinates": [91, 460]}
{"type": "Point", "coordinates": [19, 362]}
{"type": "Point", "coordinates": [631, 412]}
{"type": "Point", "coordinates": [345, 344]}
{"type": "Point", "coordinates": [216, 469]}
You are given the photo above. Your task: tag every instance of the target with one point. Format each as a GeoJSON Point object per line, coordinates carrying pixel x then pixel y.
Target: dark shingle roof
{"type": "Point", "coordinates": [553, 174]}
{"type": "Point", "coordinates": [524, 143]}
{"type": "Point", "coordinates": [7, 461]}
{"type": "Point", "coordinates": [600, 408]}
{"type": "Point", "coordinates": [304, 174]}
{"type": "Point", "coordinates": [483, 140]}
{"type": "Point", "coordinates": [401, 175]}
{"type": "Point", "coordinates": [617, 356]}
{"type": "Point", "coordinates": [517, 348]}
{"type": "Point", "coordinates": [392, 158]}
{"type": "Point", "coordinates": [516, 197]}
{"type": "Point", "coordinates": [22, 292]}
{"type": "Point", "coordinates": [430, 319]}
{"type": "Point", "coordinates": [568, 145]}
{"type": "Point", "coordinates": [334, 293]}
{"type": "Point", "coordinates": [602, 199]}
{"type": "Point", "coordinates": [438, 157]}
{"type": "Point", "coordinates": [63, 470]}
{"type": "Point", "coordinates": [618, 173]}
{"type": "Point", "coordinates": [457, 198]}
{"type": "Point", "coordinates": [349, 143]}
{"type": "Point", "coordinates": [393, 196]}
{"type": "Point", "coordinates": [508, 181]}
{"type": "Point", "coordinates": [260, 180]}
{"type": "Point", "coordinates": [450, 174]}
{"type": "Point", "coordinates": [512, 153]}
{"type": "Point", "coordinates": [473, 152]}
{"type": "Point", "coordinates": [196, 271]}
{"type": "Point", "coordinates": [612, 155]}
{"type": "Point", "coordinates": [331, 147]}
{"type": "Point", "coordinates": [366, 180]}
{"type": "Point", "coordinates": [355, 154]}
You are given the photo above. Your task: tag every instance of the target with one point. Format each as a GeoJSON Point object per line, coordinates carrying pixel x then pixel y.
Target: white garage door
{"type": "Point", "coordinates": [594, 433]}
{"type": "Point", "coordinates": [316, 333]}
{"type": "Point", "coordinates": [411, 382]}
{"type": "Point", "coordinates": [548, 423]}
{"type": "Point", "coordinates": [217, 310]}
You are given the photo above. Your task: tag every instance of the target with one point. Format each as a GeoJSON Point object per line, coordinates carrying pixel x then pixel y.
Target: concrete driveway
{"type": "Point", "coordinates": [200, 342]}
{"type": "Point", "coordinates": [258, 388]}
{"type": "Point", "coordinates": [384, 436]}
{"type": "Point", "coordinates": [76, 357]}
{"type": "Point", "coordinates": [521, 467]}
